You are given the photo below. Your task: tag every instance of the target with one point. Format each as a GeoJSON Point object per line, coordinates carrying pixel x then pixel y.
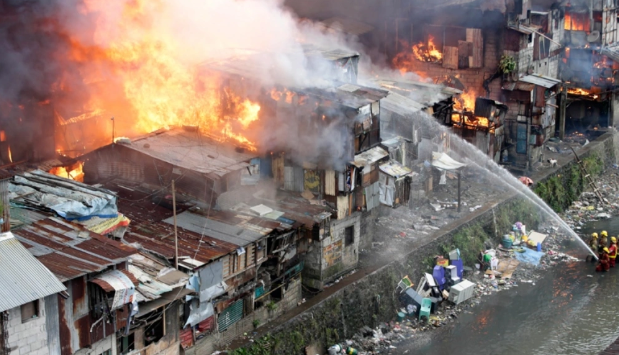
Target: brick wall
{"type": "Point", "coordinates": [29, 337]}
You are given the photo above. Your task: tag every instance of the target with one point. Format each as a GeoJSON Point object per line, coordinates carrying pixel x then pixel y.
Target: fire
{"type": "Point", "coordinates": [424, 52]}
{"type": "Point", "coordinates": [580, 92]}
{"type": "Point", "coordinates": [10, 155]}
{"type": "Point", "coordinates": [75, 173]}
{"type": "Point", "coordinates": [577, 22]}
{"type": "Point", "coordinates": [277, 95]}
{"type": "Point", "coordinates": [159, 88]}
{"type": "Point", "coordinates": [427, 52]}
{"type": "Point", "coordinates": [466, 100]}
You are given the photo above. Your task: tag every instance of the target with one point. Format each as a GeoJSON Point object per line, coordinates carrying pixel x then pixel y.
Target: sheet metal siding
{"type": "Point", "coordinates": [66, 338]}
{"type": "Point", "coordinates": [52, 325]}
{"type": "Point", "coordinates": [23, 277]}
{"type": "Point", "coordinates": [6, 210]}
{"type": "Point", "coordinates": [230, 315]}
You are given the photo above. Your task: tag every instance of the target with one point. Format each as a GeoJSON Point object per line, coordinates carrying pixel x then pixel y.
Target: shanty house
{"type": "Point", "coordinates": [29, 295]}
{"type": "Point", "coordinates": [202, 167]}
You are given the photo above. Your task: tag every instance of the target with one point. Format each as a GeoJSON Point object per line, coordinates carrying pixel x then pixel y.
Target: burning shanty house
{"type": "Point", "coordinates": [482, 127]}
{"type": "Point", "coordinates": [589, 65]}
{"type": "Point", "coordinates": [531, 119]}
{"type": "Point", "coordinates": [203, 167]}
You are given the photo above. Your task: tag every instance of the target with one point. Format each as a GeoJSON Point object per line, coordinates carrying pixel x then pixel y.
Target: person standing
{"type": "Point", "coordinates": [603, 243]}
{"type": "Point", "coordinates": [612, 251]}
{"type": "Point", "coordinates": [603, 266]}
{"type": "Point", "coordinates": [593, 244]}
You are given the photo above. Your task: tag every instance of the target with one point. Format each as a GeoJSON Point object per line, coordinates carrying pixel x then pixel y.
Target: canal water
{"type": "Point", "coordinates": [565, 312]}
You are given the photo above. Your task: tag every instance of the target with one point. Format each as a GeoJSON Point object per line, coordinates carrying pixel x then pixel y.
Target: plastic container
{"type": "Point", "coordinates": [507, 242]}
{"type": "Point", "coordinates": [351, 351]}
{"type": "Point", "coordinates": [401, 316]}
{"type": "Point", "coordinates": [539, 246]}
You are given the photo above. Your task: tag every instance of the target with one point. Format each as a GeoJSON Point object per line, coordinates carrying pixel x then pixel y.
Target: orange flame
{"type": "Point", "coordinates": [159, 90]}
{"type": "Point", "coordinates": [76, 173]}
{"type": "Point", "coordinates": [427, 53]}
{"type": "Point", "coordinates": [466, 100]}
{"type": "Point", "coordinates": [405, 61]}
{"type": "Point", "coordinates": [581, 92]}
{"type": "Point", "coordinates": [10, 155]}
{"type": "Point", "coordinates": [577, 22]}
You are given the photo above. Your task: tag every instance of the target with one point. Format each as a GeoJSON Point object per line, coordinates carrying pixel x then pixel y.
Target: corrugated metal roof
{"type": "Point", "coordinates": [23, 278]}
{"type": "Point", "coordinates": [70, 250]}
{"type": "Point", "coordinates": [215, 229]}
{"type": "Point", "coordinates": [425, 94]}
{"type": "Point", "coordinates": [541, 80]}
{"type": "Point", "coordinates": [330, 53]}
{"type": "Point", "coordinates": [395, 169]}
{"type": "Point", "coordinates": [612, 52]}
{"type": "Point", "coordinates": [370, 156]}
{"type": "Point", "coordinates": [518, 85]}
{"type": "Point", "coordinates": [401, 105]}
{"type": "Point", "coordinates": [192, 151]}
{"type": "Point", "coordinates": [148, 230]}
{"type": "Point", "coordinates": [350, 95]}
{"type": "Point", "coordinates": [347, 25]}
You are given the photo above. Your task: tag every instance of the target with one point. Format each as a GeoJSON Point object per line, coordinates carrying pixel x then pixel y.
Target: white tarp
{"type": "Point", "coordinates": [387, 194]}
{"type": "Point", "coordinates": [199, 313]}
{"type": "Point", "coordinates": [123, 287]}
{"type": "Point", "coordinates": [213, 291]}
{"type": "Point", "coordinates": [445, 162]}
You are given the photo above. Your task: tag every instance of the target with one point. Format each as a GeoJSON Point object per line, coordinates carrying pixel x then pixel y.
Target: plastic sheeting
{"type": "Point", "coordinates": [445, 162]}
{"type": "Point", "coordinates": [529, 256]}
{"type": "Point", "coordinates": [213, 291]}
{"type": "Point", "coordinates": [69, 199]}
{"type": "Point", "coordinates": [123, 287]}
{"type": "Point", "coordinates": [199, 313]}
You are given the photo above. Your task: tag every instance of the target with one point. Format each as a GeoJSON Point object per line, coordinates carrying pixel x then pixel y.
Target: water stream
{"type": "Point", "coordinates": [472, 156]}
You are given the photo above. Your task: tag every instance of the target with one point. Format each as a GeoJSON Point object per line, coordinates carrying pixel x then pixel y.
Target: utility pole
{"type": "Point", "coordinates": [562, 107]}
{"type": "Point", "coordinates": [175, 230]}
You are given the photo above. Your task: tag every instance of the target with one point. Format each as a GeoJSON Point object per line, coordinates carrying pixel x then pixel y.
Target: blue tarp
{"type": "Point", "coordinates": [529, 256]}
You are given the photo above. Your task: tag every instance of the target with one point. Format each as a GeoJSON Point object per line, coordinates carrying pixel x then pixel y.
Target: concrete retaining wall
{"type": "Point", "coordinates": [372, 299]}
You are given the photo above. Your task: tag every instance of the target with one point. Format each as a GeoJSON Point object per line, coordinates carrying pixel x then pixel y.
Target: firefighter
{"type": "Point", "coordinates": [603, 266]}
{"type": "Point", "coordinates": [593, 244]}
{"type": "Point", "coordinates": [603, 243]}
{"type": "Point", "coordinates": [612, 251]}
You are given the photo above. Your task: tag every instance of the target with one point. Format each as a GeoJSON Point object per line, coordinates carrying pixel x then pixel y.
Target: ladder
{"type": "Point", "coordinates": [587, 177]}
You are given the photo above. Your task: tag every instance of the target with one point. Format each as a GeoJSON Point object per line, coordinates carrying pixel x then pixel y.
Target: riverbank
{"type": "Point", "coordinates": [367, 297]}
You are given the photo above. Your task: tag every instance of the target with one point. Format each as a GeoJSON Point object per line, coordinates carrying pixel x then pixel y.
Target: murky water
{"type": "Point", "coordinates": [565, 312]}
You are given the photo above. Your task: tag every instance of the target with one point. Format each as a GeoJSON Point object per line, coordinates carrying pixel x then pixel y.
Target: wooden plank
{"type": "Point", "coordinates": [474, 36]}
{"type": "Point", "coordinates": [450, 57]}
{"type": "Point", "coordinates": [465, 50]}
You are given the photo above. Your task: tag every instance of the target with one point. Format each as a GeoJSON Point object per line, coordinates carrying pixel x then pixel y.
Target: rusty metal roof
{"type": "Point", "coordinates": [149, 232]}
{"type": "Point", "coordinates": [192, 151]}
{"type": "Point", "coordinates": [23, 278]}
{"type": "Point", "coordinates": [70, 250]}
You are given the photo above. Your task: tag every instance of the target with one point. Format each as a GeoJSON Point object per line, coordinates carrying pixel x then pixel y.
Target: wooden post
{"type": "Point", "coordinates": [562, 107]}
{"type": "Point", "coordinates": [175, 230]}
{"type": "Point", "coordinates": [459, 190]}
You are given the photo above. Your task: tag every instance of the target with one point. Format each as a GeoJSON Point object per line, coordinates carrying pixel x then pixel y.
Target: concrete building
{"type": "Point", "coordinates": [29, 295]}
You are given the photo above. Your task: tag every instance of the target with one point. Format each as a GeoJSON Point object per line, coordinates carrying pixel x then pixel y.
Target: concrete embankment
{"type": "Point", "coordinates": [368, 297]}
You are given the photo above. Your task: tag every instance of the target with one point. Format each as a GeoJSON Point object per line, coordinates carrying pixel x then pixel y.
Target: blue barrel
{"type": "Point", "coordinates": [507, 242]}
{"type": "Point", "coordinates": [401, 316]}
{"type": "Point", "coordinates": [539, 246]}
